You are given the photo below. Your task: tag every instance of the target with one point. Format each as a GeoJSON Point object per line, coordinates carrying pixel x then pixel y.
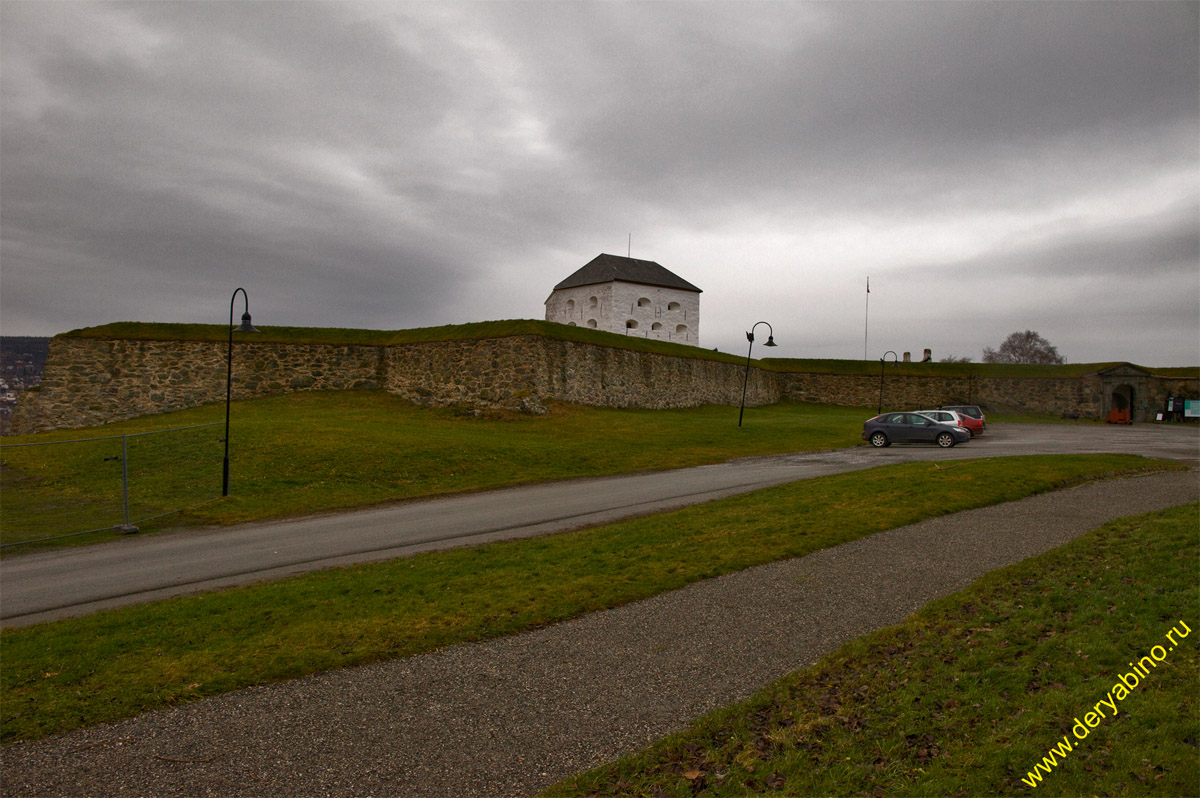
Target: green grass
{"type": "Point", "coordinates": [970, 693]}
{"type": "Point", "coordinates": [932, 369]}
{"type": "Point", "coordinates": [323, 451]}
{"type": "Point", "coordinates": [103, 667]}
{"type": "Point", "coordinates": [1181, 372]}
{"type": "Point", "coordinates": [156, 331]}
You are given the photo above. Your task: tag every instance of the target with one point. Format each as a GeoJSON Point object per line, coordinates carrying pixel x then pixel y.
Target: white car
{"type": "Point", "coordinates": [951, 417]}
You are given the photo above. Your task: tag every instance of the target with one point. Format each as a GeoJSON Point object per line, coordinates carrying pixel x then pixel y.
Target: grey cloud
{"type": "Point", "coordinates": [191, 162]}
{"type": "Point", "coordinates": [891, 101]}
{"type": "Point", "coordinates": [1165, 244]}
{"type": "Point", "coordinates": [380, 165]}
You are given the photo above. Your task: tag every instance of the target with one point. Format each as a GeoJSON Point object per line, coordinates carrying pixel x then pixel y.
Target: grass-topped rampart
{"type": "Point", "coordinates": [337, 336]}
{"type": "Point", "coordinates": [128, 369]}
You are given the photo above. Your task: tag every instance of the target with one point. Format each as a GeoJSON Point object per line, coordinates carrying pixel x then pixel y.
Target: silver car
{"type": "Point", "coordinates": [951, 417]}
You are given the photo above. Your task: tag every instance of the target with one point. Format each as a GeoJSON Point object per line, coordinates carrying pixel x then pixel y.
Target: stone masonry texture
{"type": "Point", "coordinates": [91, 381]}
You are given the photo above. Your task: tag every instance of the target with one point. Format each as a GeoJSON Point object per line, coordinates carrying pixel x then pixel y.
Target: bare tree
{"type": "Point", "coordinates": [956, 359]}
{"type": "Point", "coordinates": [1023, 347]}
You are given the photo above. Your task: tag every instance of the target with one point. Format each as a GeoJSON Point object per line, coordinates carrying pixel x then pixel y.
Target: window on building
{"type": "Point", "coordinates": [570, 305]}
{"type": "Point", "coordinates": [593, 302]}
{"type": "Point", "coordinates": [592, 323]}
{"type": "Point", "coordinates": [656, 325]}
{"type": "Point", "coordinates": [631, 324]}
{"type": "Point", "coordinates": [680, 329]}
{"type": "Point", "coordinates": [643, 302]}
{"type": "Point", "coordinates": [673, 306]}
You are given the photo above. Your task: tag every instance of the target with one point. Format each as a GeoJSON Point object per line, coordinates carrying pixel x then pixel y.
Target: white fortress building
{"type": "Point", "coordinates": [628, 296]}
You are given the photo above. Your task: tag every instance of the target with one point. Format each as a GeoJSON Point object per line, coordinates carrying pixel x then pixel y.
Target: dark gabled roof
{"type": "Point", "coordinates": [606, 268]}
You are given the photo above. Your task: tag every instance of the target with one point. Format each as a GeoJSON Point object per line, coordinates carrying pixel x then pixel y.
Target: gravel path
{"type": "Point", "coordinates": [511, 716]}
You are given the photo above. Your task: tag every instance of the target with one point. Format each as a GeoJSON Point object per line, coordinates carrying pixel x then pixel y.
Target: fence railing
{"type": "Point", "coordinates": [59, 489]}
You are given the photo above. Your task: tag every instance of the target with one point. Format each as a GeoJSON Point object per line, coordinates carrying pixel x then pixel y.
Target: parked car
{"type": "Point", "coordinates": [971, 414]}
{"type": "Point", "coordinates": [950, 417]}
{"type": "Point", "coordinates": [889, 428]}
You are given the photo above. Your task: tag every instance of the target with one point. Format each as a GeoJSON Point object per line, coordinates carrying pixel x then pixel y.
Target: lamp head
{"type": "Point", "coordinates": [770, 341]}
{"type": "Point", "coordinates": [246, 326]}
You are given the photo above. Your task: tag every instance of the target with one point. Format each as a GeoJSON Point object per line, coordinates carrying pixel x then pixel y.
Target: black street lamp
{"type": "Point", "coordinates": [746, 378]}
{"type": "Point", "coordinates": [245, 326]}
{"type": "Point", "coordinates": [882, 360]}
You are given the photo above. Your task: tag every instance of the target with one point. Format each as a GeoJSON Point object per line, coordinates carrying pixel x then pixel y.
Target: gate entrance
{"type": "Point", "coordinates": [1122, 403]}
{"type": "Point", "coordinates": [1124, 390]}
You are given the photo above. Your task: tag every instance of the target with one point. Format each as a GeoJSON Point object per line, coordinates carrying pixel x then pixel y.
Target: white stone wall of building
{"type": "Point", "coordinates": [664, 314]}
{"type": "Point", "coordinates": [583, 306]}
{"type": "Point", "coordinates": [646, 311]}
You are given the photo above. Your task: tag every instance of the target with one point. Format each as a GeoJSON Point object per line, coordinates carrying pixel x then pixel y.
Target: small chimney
{"type": "Point", "coordinates": [908, 357]}
{"type": "Point", "coordinates": [928, 356]}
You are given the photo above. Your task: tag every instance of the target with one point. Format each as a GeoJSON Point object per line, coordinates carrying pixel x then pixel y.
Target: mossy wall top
{"type": "Point", "coordinates": [120, 371]}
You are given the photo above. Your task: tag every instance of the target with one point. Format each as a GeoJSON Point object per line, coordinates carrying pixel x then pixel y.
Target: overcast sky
{"type": "Point", "coordinates": [991, 167]}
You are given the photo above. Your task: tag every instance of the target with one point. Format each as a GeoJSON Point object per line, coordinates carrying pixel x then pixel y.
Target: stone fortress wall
{"type": "Point", "coordinates": [91, 381]}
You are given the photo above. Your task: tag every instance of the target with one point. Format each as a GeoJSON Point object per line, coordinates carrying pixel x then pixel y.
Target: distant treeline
{"type": "Point", "coordinates": [12, 346]}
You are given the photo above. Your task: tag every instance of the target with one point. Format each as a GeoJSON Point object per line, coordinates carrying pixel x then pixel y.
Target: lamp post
{"type": "Point", "coordinates": [746, 378]}
{"type": "Point", "coordinates": [245, 326]}
{"type": "Point", "coordinates": [882, 360]}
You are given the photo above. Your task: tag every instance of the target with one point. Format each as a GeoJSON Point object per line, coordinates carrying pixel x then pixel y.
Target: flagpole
{"type": "Point", "coordinates": [867, 318]}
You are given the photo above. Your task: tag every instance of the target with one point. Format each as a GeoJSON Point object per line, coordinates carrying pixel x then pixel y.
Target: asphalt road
{"type": "Point", "coordinates": [70, 582]}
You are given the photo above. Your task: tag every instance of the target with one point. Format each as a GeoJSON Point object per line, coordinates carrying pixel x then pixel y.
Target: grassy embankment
{"type": "Point", "coordinates": [114, 664]}
{"type": "Point", "coordinates": [151, 331]}
{"type": "Point", "coordinates": [971, 694]}
{"type": "Point", "coordinates": [317, 452]}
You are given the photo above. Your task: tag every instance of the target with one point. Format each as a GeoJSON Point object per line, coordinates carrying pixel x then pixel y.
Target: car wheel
{"type": "Point", "coordinates": [879, 440]}
{"type": "Point", "coordinates": [945, 440]}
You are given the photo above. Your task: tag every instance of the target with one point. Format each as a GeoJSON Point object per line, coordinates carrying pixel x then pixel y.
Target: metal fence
{"type": "Point", "coordinates": [58, 489]}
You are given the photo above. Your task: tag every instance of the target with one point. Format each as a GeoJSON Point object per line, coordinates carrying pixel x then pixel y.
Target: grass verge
{"type": "Point", "coordinates": [103, 667]}
{"type": "Point", "coordinates": [970, 695]}
{"type": "Point", "coordinates": [324, 451]}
